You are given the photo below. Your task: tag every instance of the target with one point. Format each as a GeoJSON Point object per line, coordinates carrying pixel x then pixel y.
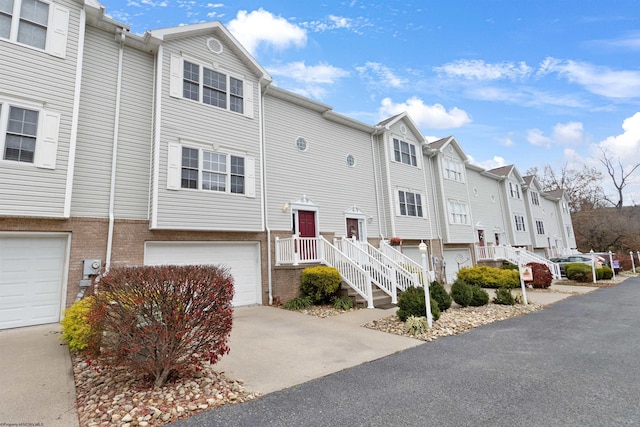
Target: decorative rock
{"type": "Point", "coordinates": [127, 418]}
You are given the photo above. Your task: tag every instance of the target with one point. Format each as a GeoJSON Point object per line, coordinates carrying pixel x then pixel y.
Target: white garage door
{"type": "Point", "coordinates": [241, 258]}
{"type": "Point", "coordinates": [32, 273]}
{"type": "Point", "coordinates": [456, 259]}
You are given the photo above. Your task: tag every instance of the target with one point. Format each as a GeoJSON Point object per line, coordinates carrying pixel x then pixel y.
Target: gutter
{"type": "Point", "coordinates": [375, 180]}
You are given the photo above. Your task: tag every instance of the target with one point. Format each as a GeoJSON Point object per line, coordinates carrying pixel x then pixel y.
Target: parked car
{"type": "Point", "coordinates": [581, 258]}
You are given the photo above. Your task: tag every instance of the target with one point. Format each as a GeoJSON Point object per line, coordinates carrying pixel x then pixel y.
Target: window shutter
{"type": "Point", "coordinates": [47, 141]}
{"type": "Point", "coordinates": [58, 31]}
{"type": "Point", "coordinates": [175, 82]}
{"type": "Point", "coordinates": [248, 99]}
{"type": "Point", "coordinates": [174, 166]}
{"type": "Point", "coordinates": [250, 177]}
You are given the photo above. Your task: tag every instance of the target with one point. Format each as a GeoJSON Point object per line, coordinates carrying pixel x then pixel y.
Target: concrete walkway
{"type": "Point", "coordinates": [37, 386]}
{"type": "Point", "coordinates": [272, 348]}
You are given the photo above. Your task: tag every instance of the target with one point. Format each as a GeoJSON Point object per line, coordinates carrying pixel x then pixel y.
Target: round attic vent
{"type": "Point", "coordinates": [214, 45]}
{"type": "Point", "coordinates": [403, 129]}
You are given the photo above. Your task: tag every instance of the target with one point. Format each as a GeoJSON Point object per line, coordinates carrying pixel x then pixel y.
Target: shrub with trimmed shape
{"type": "Point", "coordinates": [321, 283]}
{"type": "Point", "coordinates": [461, 292]}
{"type": "Point", "coordinates": [578, 272]}
{"type": "Point", "coordinates": [440, 294]}
{"type": "Point", "coordinates": [162, 320]}
{"type": "Point", "coordinates": [76, 329]}
{"type": "Point", "coordinates": [489, 277]}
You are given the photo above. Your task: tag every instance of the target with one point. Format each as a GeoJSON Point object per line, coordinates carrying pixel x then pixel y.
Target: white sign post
{"type": "Point", "coordinates": [633, 264]}
{"type": "Point", "coordinates": [593, 265]}
{"type": "Point", "coordinates": [522, 286]}
{"type": "Point", "coordinates": [425, 283]}
{"type": "Point", "coordinates": [611, 264]}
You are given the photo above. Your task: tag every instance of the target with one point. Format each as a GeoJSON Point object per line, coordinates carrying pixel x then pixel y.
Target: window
{"type": "Point", "coordinates": [22, 130]}
{"type": "Point", "coordinates": [539, 226]}
{"type": "Point", "coordinates": [35, 23]}
{"type": "Point", "coordinates": [410, 203]}
{"type": "Point", "coordinates": [458, 213]}
{"type": "Point", "coordinates": [519, 223]}
{"type": "Point", "coordinates": [514, 190]}
{"type": "Point", "coordinates": [569, 231]}
{"type": "Point", "coordinates": [351, 161]}
{"type": "Point", "coordinates": [28, 134]}
{"type": "Point", "coordinates": [216, 171]}
{"type": "Point", "coordinates": [200, 83]}
{"type": "Point", "coordinates": [535, 199]}
{"type": "Point", "coordinates": [404, 152]}
{"type": "Point", "coordinates": [453, 169]}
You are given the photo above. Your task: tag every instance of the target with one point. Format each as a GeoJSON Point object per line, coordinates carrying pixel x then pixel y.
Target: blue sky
{"type": "Point", "coordinates": [528, 83]}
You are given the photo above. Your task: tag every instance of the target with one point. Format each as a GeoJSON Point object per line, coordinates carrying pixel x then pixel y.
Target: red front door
{"type": "Point", "coordinates": [307, 228]}
{"type": "Point", "coordinates": [481, 237]}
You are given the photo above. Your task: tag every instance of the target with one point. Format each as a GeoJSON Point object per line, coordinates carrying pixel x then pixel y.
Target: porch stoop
{"type": "Point", "coordinates": [380, 298]}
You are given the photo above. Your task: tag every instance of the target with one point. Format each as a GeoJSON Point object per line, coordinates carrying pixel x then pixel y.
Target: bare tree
{"type": "Point", "coordinates": [582, 186]}
{"type": "Point", "coordinates": [620, 180]}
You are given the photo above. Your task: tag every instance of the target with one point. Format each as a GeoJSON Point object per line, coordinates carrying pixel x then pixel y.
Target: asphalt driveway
{"type": "Point", "coordinates": [575, 363]}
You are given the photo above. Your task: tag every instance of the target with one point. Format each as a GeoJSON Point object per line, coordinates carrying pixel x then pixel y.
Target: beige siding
{"type": "Point", "coordinates": [37, 77]}
{"type": "Point", "coordinates": [134, 140]}
{"type": "Point", "coordinates": [95, 125]}
{"type": "Point", "coordinates": [230, 132]}
{"type": "Point", "coordinates": [485, 204]}
{"type": "Point", "coordinates": [321, 173]}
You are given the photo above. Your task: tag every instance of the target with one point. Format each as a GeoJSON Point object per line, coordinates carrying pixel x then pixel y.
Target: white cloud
{"type": "Point", "coordinates": [334, 22]}
{"type": "Point", "coordinates": [380, 74]}
{"type": "Point", "coordinates": [537, 138]}
{"type": "Point", "coordinates": [474, 69]}
{"type": "Point", "coordinates": [426, 116]}
{"type": "Point", "coordinates": [625, 146]}
{"type": "Point", "coordinates": [261, 27]}
{"type": "Point", "coordinates": [569, 134]}
{"type": "Point", "coordinates": [596, 79]}
{"type": "Point", "coordinates": [496, 162]}
{"type": "Point", "coordinates": [299, 71]}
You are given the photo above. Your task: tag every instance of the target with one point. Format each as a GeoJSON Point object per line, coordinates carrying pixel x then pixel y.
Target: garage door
{"type": "Point", "coordinates": [456, 259]}
{"type": "Point", "coordinates": [32, 272]}
{"type": "Point", "coordinates": [242, 259]}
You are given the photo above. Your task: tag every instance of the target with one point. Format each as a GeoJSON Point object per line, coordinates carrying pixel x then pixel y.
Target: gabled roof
{"type": "Point", "coordinates": [441, 144]}
{"type": "Point", "coordinates": [507, 171]}
{"type": "Point", "coordinates": [556, 194]}
{"type": "Point", "coordinates": [216, 29]}
{"type": "Point", "coordinates": [404, 116]}
{"type": "Point", "coordinates": [532, 181]}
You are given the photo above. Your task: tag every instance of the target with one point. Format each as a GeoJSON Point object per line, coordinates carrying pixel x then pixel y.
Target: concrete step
{"type": "Point", "coordinates": [380, 298]}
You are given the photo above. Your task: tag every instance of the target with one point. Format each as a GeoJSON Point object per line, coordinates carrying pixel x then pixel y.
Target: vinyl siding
{"type": "Point", "coordinates": [409, 178]}
{"type": "Point", "coordinates": [486, 209]}
{"type": "Point", "coordinates": [537, 213]}
{"type": "Point", "coordinates": [37, 77]}
{"type": "Point", "coordinates": [134, 141]}
{"type": "Point", "coordinates": [92, 175]}
{"type": "Point", "coordinates": [231, 132]}
{"type": "Point", "coordinates": [456, 191]}
{"type": "Point", "coordinates": [518, 207]}
{"type": "Point", "coordinates": [321, 173]}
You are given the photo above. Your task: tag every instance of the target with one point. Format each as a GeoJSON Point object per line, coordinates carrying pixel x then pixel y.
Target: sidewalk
{"type": "Point", "coordinates": [37, 378]}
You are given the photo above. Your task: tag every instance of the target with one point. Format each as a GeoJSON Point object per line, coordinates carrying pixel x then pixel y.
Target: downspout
{"type": "Point", "coordinates": [73, 140]}
{"type": "Point", "coordinates": [424, 178]}
{"type": "Point", "coordinates": [152, 139]}
{"type": "Point", "coordinates": [375, 181]}
{"type": "Point", "coordinates": [114, 154]}
{"type": "Point", "coordinates": [388, 170]}
{"type": "Point", "coordinates": [435, 204]}
{"type": "Point", "coordinates": [263, 188]}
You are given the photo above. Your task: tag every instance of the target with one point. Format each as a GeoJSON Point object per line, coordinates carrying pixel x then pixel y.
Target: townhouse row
{"type": "Point", "coordinates": [174, 147]}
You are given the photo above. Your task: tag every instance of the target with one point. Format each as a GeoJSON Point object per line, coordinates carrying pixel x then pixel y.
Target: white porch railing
{"type": "Point", "coordinates": [383, 275]}
{"type": "Point", "coordinates": [406, 264]}
{"type": "Point", "coordinates": [318, 250]}
{"type": "Point", "coordinates": [509, 253]}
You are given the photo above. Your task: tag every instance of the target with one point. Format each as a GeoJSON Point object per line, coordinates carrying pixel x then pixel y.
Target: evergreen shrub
{"type": "Point", "coordinates": [411, 303]}
{"type": "Point", "coordinates": [440, 294]}
{"type": "Point", "coordinates": [578, 272]}
{"type": "Point", "coordinates": [76, 329]}
{"type": "Point", "coordinates": [321, 283]}
{"type": "Point", "coordinates": [489, 277]}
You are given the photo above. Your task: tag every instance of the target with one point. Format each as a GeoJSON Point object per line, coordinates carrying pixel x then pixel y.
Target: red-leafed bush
{"type": "Point", "coordinates": [542, 276]}
{"type": "Point", "coordinates": [162, 320]}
